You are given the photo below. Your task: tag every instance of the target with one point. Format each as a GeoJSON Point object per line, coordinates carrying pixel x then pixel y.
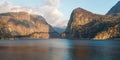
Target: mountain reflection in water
{"type": "Point", "coordinates": [59, 49]}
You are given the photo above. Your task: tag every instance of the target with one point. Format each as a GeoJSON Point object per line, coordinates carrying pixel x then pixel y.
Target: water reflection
{"type": "Point", "coordinates": [34, 50]}
{"type": "Point", "coordinates": [57, 49]}
{"type": "Point", "coordinates": [23, 53]}
{"type": "Point", "coordinates": [96, 50]}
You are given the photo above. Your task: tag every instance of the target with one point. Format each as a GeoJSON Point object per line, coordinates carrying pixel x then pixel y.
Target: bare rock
{"type": "Point", "coordinates": [22, 24]}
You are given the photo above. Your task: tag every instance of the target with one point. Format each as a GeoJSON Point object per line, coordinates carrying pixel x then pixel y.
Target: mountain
{"type": "Point", "coordinates": [59, 29]}
{"type": "Point", "coordinates": [24, 25]}
{"type": "Point", "coordinates": [115, 9]}
{"type": "Point", "coordinates": [87, 25]}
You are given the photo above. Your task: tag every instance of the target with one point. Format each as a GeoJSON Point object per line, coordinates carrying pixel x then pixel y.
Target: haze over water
{"type": "Point", "coordinates": [59, 49]}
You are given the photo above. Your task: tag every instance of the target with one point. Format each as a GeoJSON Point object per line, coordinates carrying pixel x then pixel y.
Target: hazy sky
{"type": "Point", "coordinates": [57, 11]}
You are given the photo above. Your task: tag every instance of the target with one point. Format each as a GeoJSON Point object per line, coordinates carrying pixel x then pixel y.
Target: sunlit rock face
{"type": "Point", "coordinates": [86, 25]}
{"type": "Point", "coordinates": [22, 24]}
{"type": "Point", "coordinates": [78, 19]}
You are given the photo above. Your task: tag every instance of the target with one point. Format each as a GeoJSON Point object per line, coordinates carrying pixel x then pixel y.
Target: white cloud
{"type": "Point", "coordinates": [49, 11]}
{"type": "Point", "coordinates": [61, 23]}
{"type": "Point", "coordinates": [54, 3]}
{"type": "Point", "coordinates": [51, 14]}
{"type": "Point", "coordinates": [9, 7]}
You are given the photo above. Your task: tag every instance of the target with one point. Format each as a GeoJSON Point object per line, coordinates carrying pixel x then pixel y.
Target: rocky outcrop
{"type": "Point", "coordinates": [86, 25]}
{"type": "Point", "coordinates": [115, 9]}
{"type": "Point", "coordinates": [22, 24]}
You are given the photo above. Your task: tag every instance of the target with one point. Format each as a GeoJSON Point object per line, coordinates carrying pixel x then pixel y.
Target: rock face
{"type": "Point", "coordinates": [115, 9]}
{"type": "Point", "coordinates": [22, 24]}
{"type": "Point", "coordinates": [86, 25]}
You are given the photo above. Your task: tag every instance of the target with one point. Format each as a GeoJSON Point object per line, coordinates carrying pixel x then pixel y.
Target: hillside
{"type": "Point", "coordinates": [24, 25]}
{"type": "Point", "coordinates": [86, 25]}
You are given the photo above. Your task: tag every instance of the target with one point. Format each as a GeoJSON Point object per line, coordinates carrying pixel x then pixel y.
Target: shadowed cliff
{"type": "Point", "coordinates": [115, 9]}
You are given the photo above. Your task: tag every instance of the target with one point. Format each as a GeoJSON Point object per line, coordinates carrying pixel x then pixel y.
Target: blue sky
{"type": "Point", "coordinates": [66, 6]}
{"type": "Point", "coordinates": [95, 6]}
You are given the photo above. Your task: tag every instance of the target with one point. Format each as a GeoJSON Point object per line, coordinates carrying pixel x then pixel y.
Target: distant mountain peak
{"type": "Point", "coordinates": [115, 9]}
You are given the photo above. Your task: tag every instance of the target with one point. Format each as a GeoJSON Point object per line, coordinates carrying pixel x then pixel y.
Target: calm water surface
{"type": "Point", "coordinates": [59, 49]}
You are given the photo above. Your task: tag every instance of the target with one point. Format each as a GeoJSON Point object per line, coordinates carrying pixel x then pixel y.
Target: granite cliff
{"type": "Point", "coordinates": [22, 24]}
{"type": "Point", "coordinates": [86, 25]}
{"type": "Point", "coordinates": [115, 9]}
